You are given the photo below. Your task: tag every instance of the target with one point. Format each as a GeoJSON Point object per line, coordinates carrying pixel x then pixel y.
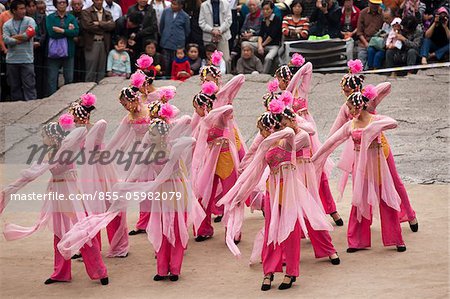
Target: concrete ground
{"type": "Point", "coordinates": [419, 102]}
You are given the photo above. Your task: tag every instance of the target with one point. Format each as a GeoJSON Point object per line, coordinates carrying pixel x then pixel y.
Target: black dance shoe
{"type": "Point", "coordinates": [351, 250]}
{"type": "Point", "coordinates": [104, 281]}
{"type": "Point", "coordinates": [218, 219]}
{"type": "Point", "coordinates": [285, 286]}
{"type": "Point", "coordinates": [339, 222]}
{"type": "Point", "coordinates": [136, 232]}
{"type": "Point", "coordinates": [159, 277]}
{"type": "Point", "coordinates": [335, 261]}
{"type": "Point", "coordinates": [202, 238]}
{"type": "Point", "coordinates": [401, 248]}
{"type": "Point", "coordinates": [76, 256]}
{"type": "Point", "coordinates": [414, 227]}
{"type": "Point", "coordinates": [266, 287]}
{"type": "Point", "coordinates": [50, 281]}
{"type": "Point", "coordinates": [173, 277]}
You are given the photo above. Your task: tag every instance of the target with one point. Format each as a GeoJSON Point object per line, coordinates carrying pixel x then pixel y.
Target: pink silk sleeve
{"type": "Point", "coordinates": [26, 176]}
{"type": "Point", "coordinates": [245, 184]}
{"type": "Point", "coordinates": [181, 127]}
{"type": "Point", "coordinates": [320, 157]}
{"type": "Point", "coordinates": [249, 178]}
{"type": "Point", "coordinates": [204, 158]}
{"type": "Point", "coordinates": [71, 144]}
{"type": "Point", "coordinates": [342, 117]}
{"type": "Point", "coordinates": [383, 90]}
{"type": "Point", "coordinates": [381, 123]}
{"type": "Point", "coordinates": [250, 153]}
{"type": "Point", "coordinates": [91, 175]}
{"type": "Point", "coordinates": [229, 91]}
{"type": "Point", "coordinates": [100, 132]}
{"type": "Point", "coordinates": [300, 83]}
{"type": "Point", "coordinates": [84, 231]}
{"type": "Point", "coordinates": [302, 140]}
{"type": "Point", "coordinates": [123, 132]}
{"type": "Point", "coordinates": [361, 197]}
{"type": "Point", "coordinates": [305, 125]}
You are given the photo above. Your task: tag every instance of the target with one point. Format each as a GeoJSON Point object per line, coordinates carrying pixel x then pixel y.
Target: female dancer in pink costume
{"type": "Point", "coordinates": [224, 95]}
{"type": "Point", "coordinates": [81, 112]}
{"type": "Point", "coordinates": [216, 158]}
{"type": "Point", "coordinates": [353, 82]}
{"type": "Point", "coordinates": [320, 239]}
{"type": "Point", "coordinates": [98, 177]}
{"type": "Point", "coordinates": [58, 215]}
{"type": "Point", "coordinates": [299, 85]}
{"type": "Point", "coordinates": [286, 207]}
{"type": "Point", "coordinates": [168, 222]}
{"type": "Point", "coordinates": [373, 185]}
{"type": "Point", "coordinates": [134, 125]}
{"type": "Point", "coordinates": [169, 216]}
{"type": "Point", "coordinates": [164, 94]}
{"type": "Point", "coordinates": [132, 128]}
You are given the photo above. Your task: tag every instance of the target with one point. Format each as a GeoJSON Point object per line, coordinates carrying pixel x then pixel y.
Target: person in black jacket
{"type": "Point", "coordinates": [128, 26]}
{"type": "Point", "coordinates": [269, 35]}
{"type": "Point", "coordinates": [327, 18]}
{"type": "Point", "coordinates": [148, 26]}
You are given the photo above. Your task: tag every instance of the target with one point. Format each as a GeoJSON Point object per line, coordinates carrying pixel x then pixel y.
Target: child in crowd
{"type": "Point", "coordinates": [209, 50]}
{"type": "Point", "coordinates": [392, 40]}
{"type": "Point", "coordinates": [181, 69]}
{"type": "Point", "coordinates": [248, 63]}
{"type": "Point", "coordinates": [158, 59]}
{"type": "Point", "coordinates": [119, 64]}
{"type": "Point", "coordinates": [194, 58]}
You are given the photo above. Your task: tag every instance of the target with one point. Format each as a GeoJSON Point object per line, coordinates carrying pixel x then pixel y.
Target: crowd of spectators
{"type": "Point", "coordinates": [91, 39]}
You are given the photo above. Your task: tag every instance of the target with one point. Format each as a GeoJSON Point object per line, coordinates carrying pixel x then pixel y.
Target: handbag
{"type": "Point", "coordinates": [377, 42]}
{"type": "Point", "coordinates": [58, 48]}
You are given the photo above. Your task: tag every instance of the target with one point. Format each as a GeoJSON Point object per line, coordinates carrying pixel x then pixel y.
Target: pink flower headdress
{"type": "Point", "coordinates": [209, 88]}
{"type": "Point", "coordinates": [138, 79]}
{"type": "Point", "coordinates": [297, 60]}
{"type": "Point", "coordinates": [88, 99]}
{"type": "Point", "coordinates": [66, 121]}
{"type": "Point", "coordinates": [355, 66]}
{"type": "Point", "coordinates": [216, 57]}
{"type": "Point", "coordinates": [144, 62]}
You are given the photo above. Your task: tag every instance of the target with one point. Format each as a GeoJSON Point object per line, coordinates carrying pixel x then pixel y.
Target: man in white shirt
{"type": "Point", "coordinates": [215, 21]}
{"type": "Point", "coordinates": [113, 8]}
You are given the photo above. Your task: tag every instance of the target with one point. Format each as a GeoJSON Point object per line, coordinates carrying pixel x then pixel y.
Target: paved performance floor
{"type": "Point", "coordinates": [420, 103]}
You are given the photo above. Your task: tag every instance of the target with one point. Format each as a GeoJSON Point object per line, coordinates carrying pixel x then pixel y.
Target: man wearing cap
{"type": "Point", "coordinates": [369, 22]}
{"type": "Point", "coordinates": [437, 37]}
